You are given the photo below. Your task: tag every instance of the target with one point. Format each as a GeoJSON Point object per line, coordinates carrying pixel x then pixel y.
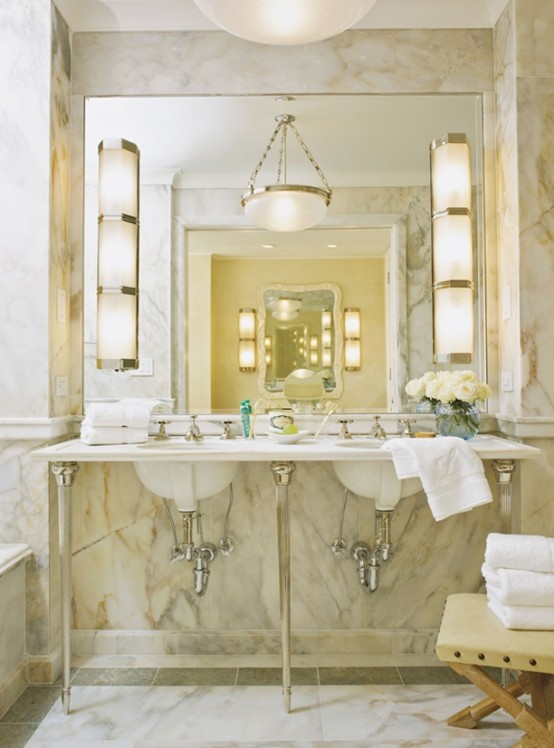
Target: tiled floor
{"type": "Point", "coordinates": [385, 707]}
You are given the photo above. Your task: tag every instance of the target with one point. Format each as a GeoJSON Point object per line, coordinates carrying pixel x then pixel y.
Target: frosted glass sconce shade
{"type": "Point", "coordinates": [247, 340]}
{"type": "Point", "coordinates": [326, 357]}
{"type": "Point", "coordinates": [118, 255]}
{"type": "Point", "coordinates": [280, 206]}
{"type": "Point", "coordinates": [352, 345]}
{"type": "Point", "coordinates": [452, 245]}
{"type": "Point", "coordinates": [284, 21]}
{"type": "Point", "coordinates": [453, 324]}
{"type": "Point", "coordinates": [450, 173]}
{"type": "Point", "coordinates": [326, 319]}
{"type": "Point", "coordinates": [452, 242]}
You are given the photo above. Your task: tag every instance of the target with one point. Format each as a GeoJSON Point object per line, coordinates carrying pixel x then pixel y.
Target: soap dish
{"type": "Point", "coordinates": [286, 438]}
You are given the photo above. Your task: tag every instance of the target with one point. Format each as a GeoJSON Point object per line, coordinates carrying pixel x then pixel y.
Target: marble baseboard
{"type": "Point", "coordinates": [45, 668]}
{"type": "Point", "coordinates": [253, 648]}
{"type": "Point", "coordinates": [12, 687]}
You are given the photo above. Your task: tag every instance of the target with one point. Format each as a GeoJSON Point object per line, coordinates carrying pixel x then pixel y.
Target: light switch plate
{"type": "Point", "coordinates": [507, 381]}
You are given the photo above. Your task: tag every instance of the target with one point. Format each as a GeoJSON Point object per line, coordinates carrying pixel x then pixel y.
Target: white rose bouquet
{"type": "Point", "coordinates": [448, 387]}
{"type": "Point", "coordinates": [457, 389]}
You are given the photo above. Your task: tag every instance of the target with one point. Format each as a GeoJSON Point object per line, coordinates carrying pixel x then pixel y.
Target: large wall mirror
{"type": "Point", "coordinates": [201, 262]}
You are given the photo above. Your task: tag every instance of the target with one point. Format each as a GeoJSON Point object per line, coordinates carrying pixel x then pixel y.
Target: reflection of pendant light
{"type": "Point", "coordinates": [282, 206]}
{"type": "Point", "coordinates": [285, 309]}
{"type": "Point", "coordinates": [118, 237]}
{"type": "Point", "coordinates": [284, 21]}
{"type": "Point", "coordinates": [452, 249]}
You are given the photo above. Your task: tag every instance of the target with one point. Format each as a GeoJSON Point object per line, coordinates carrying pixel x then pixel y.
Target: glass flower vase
{"type": "Point", "coordinates": [457, 419]}
{"type": "Point", "coordinates": [425, 405]}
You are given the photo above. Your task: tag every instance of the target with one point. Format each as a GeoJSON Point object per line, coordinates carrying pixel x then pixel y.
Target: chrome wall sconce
{"type": "Point", "coordinates": [118, 255]}
{"type": "Point", "coordinates": [352, 339]}
{"type": "Point", "coordinates": [452, 249]}
{"type": "Point", "coordinates": [281, 206]}
{"type": "Point", "coordinates": [284, 21]}
{"type": "Point", "coordinates": [247, 340]}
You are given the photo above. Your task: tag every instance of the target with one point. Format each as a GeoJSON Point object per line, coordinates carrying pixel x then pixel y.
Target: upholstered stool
{"type": "Point", "coordinates": [471, 638]}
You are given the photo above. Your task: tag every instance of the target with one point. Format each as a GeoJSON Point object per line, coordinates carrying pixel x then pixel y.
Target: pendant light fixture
{"type": "Point", "coordinates": [281, 206]}
{"type": "Point", "coordinates": [284, 21]}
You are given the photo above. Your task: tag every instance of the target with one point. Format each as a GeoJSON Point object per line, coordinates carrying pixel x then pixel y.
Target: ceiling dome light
{"type": "Point", "coordinates": [281, 206]}
{"type": "Point", "coordinates": [285, 21]}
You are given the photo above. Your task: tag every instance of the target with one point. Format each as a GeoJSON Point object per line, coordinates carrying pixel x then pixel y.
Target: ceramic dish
{"type": "Point", "coordinates": [286, 438]}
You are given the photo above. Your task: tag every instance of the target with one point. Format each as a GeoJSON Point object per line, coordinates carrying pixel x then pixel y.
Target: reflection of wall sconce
{"type": "Point", "coordinates": [268, 347]}
{"type": "Point", "coordinates": [452, 249]}
{"type": "Point", "coordinates": [326, 319]}
{"type": "Point", "coordinates": [247, 340]}
{"type": "Point", "coordinates": [118, 251]}
{"type": "Point", "coordinates": [326, 357]}
{"type": "Point", "coordinates": [314, 350]}
{"type": "Point", "coordinates": [352, 345]}
{"type": "Point", "coordinates": [326, 338]}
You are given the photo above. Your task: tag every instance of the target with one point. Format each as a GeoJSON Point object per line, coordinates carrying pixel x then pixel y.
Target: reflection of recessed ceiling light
{"type": "Point", "coordinates": [332, 246]}
{"type": "Point", "coordinates": [268, 246]}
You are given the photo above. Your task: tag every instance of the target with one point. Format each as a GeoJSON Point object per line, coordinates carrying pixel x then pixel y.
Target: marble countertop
{"type": "Point", "coordinates": [260, 449]}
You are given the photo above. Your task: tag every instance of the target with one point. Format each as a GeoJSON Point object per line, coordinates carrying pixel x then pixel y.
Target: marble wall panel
{"type": "Point", "coordinates": [24, 195]}
{"type": "Point", "coordinates": [383, 61]}
{"type": "Point", "coordinates": [535, 22]}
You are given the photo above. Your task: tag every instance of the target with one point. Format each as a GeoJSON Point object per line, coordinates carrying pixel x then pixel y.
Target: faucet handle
{"type": "Point", "coordinates": [162, 434]}
{"type": "Point", "coordinates": [344, 433]}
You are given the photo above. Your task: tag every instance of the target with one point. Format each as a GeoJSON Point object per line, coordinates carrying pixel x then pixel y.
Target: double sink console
{"type": "Point", "coordinates": [189, 470]}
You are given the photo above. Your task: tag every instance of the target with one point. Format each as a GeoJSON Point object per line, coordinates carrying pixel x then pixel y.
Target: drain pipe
{"type": "Point", "coordinates": [203, 557]}
{"type": "Point", "coordinates": [369, 561]}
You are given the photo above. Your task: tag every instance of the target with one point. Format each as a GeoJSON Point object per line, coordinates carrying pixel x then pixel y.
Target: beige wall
{"type": "Point", "coordinates": [235, 284]}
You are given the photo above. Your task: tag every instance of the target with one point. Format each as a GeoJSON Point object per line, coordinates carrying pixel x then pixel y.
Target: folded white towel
{"type": "Point", "coordinates": [451, 473]}
{"type": "Point", "coordinates": [524, 617]}
{"type": "Point", "coordinates": [519, 586]}
{"type": "Point", "coordinates": [531, 552]}
{"type": "Point", "coordinates": [132, 415]}
{"type": "Point", "coordinates": [112, 434]}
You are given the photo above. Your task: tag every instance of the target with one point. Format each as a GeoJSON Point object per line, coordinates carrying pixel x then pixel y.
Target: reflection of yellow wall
{"type": "Point", "coordinates": [235, 284]}
{"type": "Point", "coordinates": [198, 326]}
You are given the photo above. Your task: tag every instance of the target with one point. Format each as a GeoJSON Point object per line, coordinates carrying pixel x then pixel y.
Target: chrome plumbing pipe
{"type": "Point", "coordinates": [383, 542]}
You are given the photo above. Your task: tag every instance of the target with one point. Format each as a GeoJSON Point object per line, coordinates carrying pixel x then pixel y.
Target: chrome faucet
{"type": "Point", "coordinates": [193, 434]}
{"type": "Point", "coordinates": [377, 431]}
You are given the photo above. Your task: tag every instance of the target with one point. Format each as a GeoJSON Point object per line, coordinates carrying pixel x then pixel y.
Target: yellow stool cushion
{"type": "Point", "coordinates": [471, 634]}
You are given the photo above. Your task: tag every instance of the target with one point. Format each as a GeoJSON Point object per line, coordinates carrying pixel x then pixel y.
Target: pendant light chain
{"type": "Point", "coordinates": [284, 121]}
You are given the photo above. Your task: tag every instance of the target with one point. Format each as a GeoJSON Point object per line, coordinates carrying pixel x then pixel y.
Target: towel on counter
{"type": "Point", "coordinates": [519, 586]}
{"type": "Point", "coordinates": [112, 434]}
{"type": "Point", "coordinates": [523, 617]}
{"type": "Point", "coordinates": [132, 415]}
{"type": "Point", "coordinates": [451, 473]}
{"type": "Point", "coordinates": [528, 552]}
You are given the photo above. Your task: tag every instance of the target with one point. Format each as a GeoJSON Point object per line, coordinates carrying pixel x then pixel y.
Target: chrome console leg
{"type": "Point", "coordinates": [282, 475]}
{"type": "Point", "coordinates": [503, 470]}
{"type": "Point", "coordinates": [65, 474]}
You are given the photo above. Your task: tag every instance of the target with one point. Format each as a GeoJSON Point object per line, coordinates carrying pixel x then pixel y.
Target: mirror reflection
{"type": "Point", "coordinates": [300, 329]}
{"type": "Point", "coordinates": [196, 155]}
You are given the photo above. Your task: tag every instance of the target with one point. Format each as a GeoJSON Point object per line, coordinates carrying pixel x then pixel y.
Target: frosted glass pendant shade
{"type": "Point", "coordinates": [286, 207]}
{"type": "Point", "coordinates": [284, 21]}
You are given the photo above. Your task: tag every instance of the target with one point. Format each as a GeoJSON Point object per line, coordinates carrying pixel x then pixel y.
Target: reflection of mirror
{"type": "Point", "coordinates": [299, 328]}
{"type": "Point", "coordinates": [379, 170]}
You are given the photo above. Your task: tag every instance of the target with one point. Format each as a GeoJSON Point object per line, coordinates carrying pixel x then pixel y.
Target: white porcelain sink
{"type": "Point", "coordinates": [186, 482]}
{"type": "Point", "coordinates": [374, 479]}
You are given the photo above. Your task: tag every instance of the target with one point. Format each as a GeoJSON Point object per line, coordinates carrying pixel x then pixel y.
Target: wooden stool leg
{"type": "Point", "coordinates": [525, 717]}
{"type": "Point", "coordinates": [470, 717]}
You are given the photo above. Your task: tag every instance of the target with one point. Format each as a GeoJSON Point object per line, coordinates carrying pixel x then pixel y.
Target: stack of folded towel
{"type": "Point", "coordinates": [122, 422]}
{"type": "Point", "coordinates": [519, 576]}
{"type": "Point", "coordinates": [451, 473]}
